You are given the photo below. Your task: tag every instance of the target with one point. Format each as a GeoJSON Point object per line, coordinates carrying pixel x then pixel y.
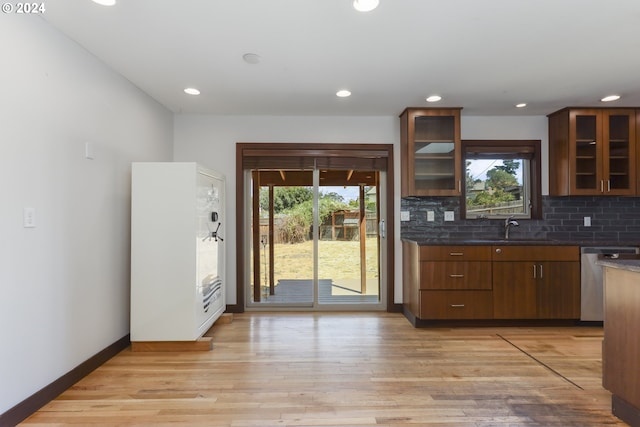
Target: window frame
{"type": "Point", "coordinates": [529, 148]}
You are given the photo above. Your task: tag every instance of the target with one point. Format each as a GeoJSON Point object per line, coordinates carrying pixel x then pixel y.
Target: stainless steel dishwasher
{"type": "Point", "coordinates": [591, 299]}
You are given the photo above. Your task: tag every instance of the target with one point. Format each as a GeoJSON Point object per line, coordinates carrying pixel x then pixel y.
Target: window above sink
{"type": "Point", "coordinates": [502, 179]}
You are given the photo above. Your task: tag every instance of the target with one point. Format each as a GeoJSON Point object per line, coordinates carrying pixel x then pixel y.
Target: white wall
{"type": "Point", "coordinates": [65, 283]}
{"type": "Point", "coordinates": [210, 140]}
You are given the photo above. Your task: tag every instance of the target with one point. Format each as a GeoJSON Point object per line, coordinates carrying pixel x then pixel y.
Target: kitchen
{"type": "Point", "coordinates": [586, 207]}
{"type": "Point", "coordinates": [76, 197]}
{"type": "Point", "coordinates": [485, 270]}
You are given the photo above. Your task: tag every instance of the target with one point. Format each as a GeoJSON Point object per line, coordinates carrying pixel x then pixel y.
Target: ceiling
{"type": "Point", "coordinates": [482, 55]}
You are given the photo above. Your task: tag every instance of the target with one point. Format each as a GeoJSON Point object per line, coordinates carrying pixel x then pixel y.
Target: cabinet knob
{"type": "Point", "coordinates": [498, 250]}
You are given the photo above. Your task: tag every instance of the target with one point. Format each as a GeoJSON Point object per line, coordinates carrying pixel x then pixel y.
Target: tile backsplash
{"type": "Point", "coordinates": [613, 219]}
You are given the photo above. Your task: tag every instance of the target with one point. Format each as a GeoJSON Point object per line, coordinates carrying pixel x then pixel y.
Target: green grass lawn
{"type": "Point", "coordinates": [338, 260]}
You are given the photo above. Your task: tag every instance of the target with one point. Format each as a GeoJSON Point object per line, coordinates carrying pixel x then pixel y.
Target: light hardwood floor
{"type": "Point", "coordinates": [337, 369]}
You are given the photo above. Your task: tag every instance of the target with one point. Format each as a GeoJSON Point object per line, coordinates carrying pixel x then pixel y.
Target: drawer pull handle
{"type": "Point", "coordinates": [456, 253]}
{"type": "Point", "coordinates": [456, 276]}
{"type": "Point", "coordinates": [457, 305]}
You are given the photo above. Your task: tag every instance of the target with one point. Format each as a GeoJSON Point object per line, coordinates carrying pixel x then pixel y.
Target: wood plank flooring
{"type": "Point", "coordinates": [344, 369]}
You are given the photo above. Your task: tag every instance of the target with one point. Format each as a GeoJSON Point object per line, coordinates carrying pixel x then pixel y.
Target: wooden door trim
{"type": "Point", "coordinates": [384, 151]}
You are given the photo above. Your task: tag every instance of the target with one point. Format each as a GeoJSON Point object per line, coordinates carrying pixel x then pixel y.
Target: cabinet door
{"type": "Point", "coordinates": [619, 145]}
{"type": "Point", "coordinates": [515, 290]}
{"type": "Point", "coordinates": [602, 152]}
{"type": "Point", "coordinates": [431, 157]}
{"type": "Point", "coordinates": [558, 294]}
{"type": "Point", "coordinates": [585, 152]}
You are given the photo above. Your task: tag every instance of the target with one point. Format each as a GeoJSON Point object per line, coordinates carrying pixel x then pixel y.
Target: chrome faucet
{"type": "Point", "coordinates": [508, 223]}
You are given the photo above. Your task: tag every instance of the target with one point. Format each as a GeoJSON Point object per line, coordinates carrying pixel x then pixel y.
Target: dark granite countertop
{"type": "Point", "coordinates": [516, 241]}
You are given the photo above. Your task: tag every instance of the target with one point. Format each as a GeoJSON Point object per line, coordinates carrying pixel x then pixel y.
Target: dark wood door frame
{"type": "Point", "coordinates": [377, 152]}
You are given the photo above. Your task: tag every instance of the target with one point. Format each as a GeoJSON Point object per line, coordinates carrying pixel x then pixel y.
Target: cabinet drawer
{"type": "Point", "coordinates": [459, 275]}
{"type": "Point", "coordinates": [455, 253]}
{"type": "Point", "coordinates": [536, 253]}
{"type": "Point", "coordinates": [456, 305]}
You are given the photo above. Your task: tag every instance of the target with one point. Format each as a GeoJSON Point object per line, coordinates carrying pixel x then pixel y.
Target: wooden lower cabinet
{"type": "Point", "coordinates": [447, 282]}
{"type": "Point", "coordinates": [536, 282]}
{"type": "Point", "coordinates": [456, 304]}
{"type": "Point", "coordinates": [536, 290]}
{"type": "Point", "coordinates": [491, 282]}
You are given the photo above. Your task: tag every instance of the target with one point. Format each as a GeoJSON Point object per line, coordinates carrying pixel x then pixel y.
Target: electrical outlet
{"type": "Point", "coordinates": [88, 150]}
{"type": "Point", "coordinates": [448, 216]}
{"type": "Point", "coordinates": [405, 216]}
{"type": "Point", "coordinates": [587, 221]}
{"type": "Point", "coordinates": [431, 216]}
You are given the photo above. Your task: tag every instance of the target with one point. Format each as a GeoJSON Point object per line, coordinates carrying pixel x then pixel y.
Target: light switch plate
{"type": "Point", "coordinates": [587, 221]}
{"type": "Point", "coordinates": [29, 217]}
{"type": "Point", "coordinates": [405, 216]}
{"type": "Point", "coordinates": [448, 216]}
{"type": "Point", "coordinates": [431, 216]}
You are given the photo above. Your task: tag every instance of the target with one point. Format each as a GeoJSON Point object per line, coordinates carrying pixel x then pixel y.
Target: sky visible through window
{"type": "Point", "coordinates": [479, 167]}
{"type": "Point", "coordinates": [349, 193]}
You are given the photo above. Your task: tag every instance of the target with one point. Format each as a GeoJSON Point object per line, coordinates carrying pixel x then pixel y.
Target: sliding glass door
{"type": "Point", "coordinates": [315, 240]}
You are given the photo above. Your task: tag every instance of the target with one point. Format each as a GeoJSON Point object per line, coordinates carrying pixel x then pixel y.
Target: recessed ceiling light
{"type": "Point", "coordinates": [251, 58]}
{"type": "Point", "coordinates": [521, 105]}
{"type": "Point", "coordinates": [105, 2]}
{"type": "Point", "coordinates": [434, 98]}
{"type": "Point", "coordinates": [610, 98]}
{"type": "Point", "coordinates": [365, 5]}
{"type": "Point", "coordinates": [192, 91]}
{"type": "Point", "coordinates": [343, 93]}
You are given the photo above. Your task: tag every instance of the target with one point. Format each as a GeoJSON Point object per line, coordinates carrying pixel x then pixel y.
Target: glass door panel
{"type": "Point", "coordinates": [348, 256]}
{"type": "Point", "coordinates": [315, 239]}
{"type": "Point", "coordinates": [619, 153]}
{"type": "Point", "coordinates": [586, 158]}
{"type": "Point", "coordinates": [434, 153]}
{"type": "Point", "coordinates": [283, 265]}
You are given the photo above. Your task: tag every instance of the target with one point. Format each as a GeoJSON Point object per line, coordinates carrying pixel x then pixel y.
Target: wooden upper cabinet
{"type": "Point", "coordinates": [592, 152]}
{"type": "Point", "coordinates": [430, 152]}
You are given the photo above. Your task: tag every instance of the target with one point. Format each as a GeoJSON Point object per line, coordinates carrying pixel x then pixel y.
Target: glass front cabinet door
{"type": "Point", "coordinates": [430, 152]}
{"type": "Point", "coordinates": [592, 152]}
{"type": "Point", "coordinates": [602, 147]}
{"type": "Point", "coordinates": [619, 151]}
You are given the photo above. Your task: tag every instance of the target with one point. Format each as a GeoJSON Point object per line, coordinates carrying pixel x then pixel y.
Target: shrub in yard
{"type": "Point", "coordinates": [294, 228]}
{"type": "Point", "coordinates": [296, 207]}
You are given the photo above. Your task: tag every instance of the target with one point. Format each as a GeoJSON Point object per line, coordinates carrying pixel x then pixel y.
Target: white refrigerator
{"type": "Point", "coordinates": [177, 251]}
